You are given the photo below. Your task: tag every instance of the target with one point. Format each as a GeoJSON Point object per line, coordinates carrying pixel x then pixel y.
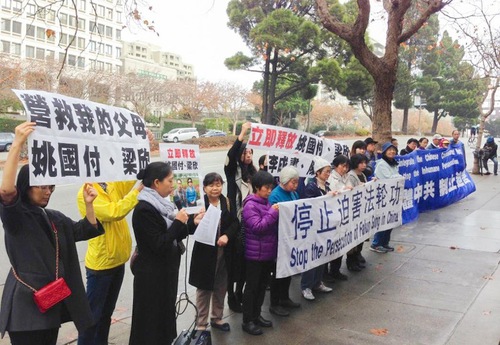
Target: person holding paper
{"type": "Point", "coordinates": [159, 228]}
{"type": "Point", "coordinates": [209, 263]}
{"type": "Point", "coordinates": [285, 191]}
{"type": "Point", "coordinates": [34, 235]}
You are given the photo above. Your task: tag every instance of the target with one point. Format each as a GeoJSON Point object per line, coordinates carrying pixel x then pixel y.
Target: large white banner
{"type": "Point", "coordinates": [292, 147]}
{"type": "Point", "coordinates": [315, 231]}
{"type": "Point", "coordinates": [77, 140]}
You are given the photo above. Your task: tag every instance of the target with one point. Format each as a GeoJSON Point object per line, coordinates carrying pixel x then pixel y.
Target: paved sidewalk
{"type": "Point", "coordinates": [440, 286]}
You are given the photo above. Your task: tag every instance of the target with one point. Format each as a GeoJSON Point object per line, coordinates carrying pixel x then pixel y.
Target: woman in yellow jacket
{"type": "Point", "coordinates": [107, 254]}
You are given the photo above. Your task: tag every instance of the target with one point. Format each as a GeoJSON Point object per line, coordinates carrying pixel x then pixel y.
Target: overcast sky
{"type": "Point", "coordinates": [197, 30]}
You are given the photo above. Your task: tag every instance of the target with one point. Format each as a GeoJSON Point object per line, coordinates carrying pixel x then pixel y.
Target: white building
{"type": "Point", "coordinates": [86, 37]}
{"type": "Point", "coordinates": [150, 60]}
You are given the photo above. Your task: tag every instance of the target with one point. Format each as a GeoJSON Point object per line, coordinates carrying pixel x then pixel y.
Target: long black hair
{"type": "Point", "coordinates": [154, 171]}
{"type": "Point", "coordinates": [247, 170]}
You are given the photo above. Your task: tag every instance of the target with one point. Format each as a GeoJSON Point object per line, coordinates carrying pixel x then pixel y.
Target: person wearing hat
{"type": "Point", "coordinates": [435, 142]}
{"type": "Point", "coordinates": [444, 143]}
{"type": "Point", "coordinates": [490, 152]}
{"type": "Point", "coordinates": [312, 280]}
{"type": "Point", "coordinates": [387, 168]}
{"type": "Point", "coordinates": [285, 191]}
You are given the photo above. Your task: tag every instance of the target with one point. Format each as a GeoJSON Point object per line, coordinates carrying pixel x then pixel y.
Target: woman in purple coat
{"type": "Point", "coordinates": [259, 220]}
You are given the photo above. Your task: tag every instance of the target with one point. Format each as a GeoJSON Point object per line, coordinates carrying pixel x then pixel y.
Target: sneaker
{"type": "Point", "coordinates": [388, 248]}
{"type": "Point", "coordinates": [322, 288]}
{"type": "Point", "coordinates": [308, 295]}
{"type": "Point", "coordinates": [487, 173]}
{"type": "Point", "coordinates": [378, 249]}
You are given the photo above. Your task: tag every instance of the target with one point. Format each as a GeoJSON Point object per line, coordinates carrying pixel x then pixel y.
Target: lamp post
{"type": "Point", "coordinates": [419, 102]}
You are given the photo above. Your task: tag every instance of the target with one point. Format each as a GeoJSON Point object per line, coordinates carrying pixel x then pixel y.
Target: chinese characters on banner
{"type": "Point", "coordinates": [185, 163]}
{"type": "Point", "coordinates": [77, 140]}
{"type": "Point", "coordinates": [315, 231]}
{"type": "Point", "coordinates": [433, 179]}
{"type": "Point", "coordinates": [292, 147]}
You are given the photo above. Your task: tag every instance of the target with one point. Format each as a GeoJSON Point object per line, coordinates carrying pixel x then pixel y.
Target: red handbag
{"type": "Point", "coordinates": [52, 293]}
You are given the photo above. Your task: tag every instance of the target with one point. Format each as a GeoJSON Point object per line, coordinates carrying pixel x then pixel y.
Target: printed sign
{"type": "Point", "coordinates": [77, 140]}
{"type": "Point", "coordinates": [315, 231]}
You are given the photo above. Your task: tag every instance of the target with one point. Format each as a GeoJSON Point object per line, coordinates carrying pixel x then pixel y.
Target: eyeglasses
{"type": "Point", "coordinates": [50, 188]}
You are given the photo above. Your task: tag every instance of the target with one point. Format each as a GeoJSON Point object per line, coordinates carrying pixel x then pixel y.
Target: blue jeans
{"type": "Point", "coordinates": [382, 238]}
{"type": "Point", "coordinates": [495, 164]}
{"type": "Point", "coordinates": [312, 278]}
{"type": "Point", "coordinates": [102, 292]}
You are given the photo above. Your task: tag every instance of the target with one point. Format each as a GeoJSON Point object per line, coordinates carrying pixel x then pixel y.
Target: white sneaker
{"type": "Point", "coordinates": [308, 295]}
{"type": "Point", "coordinates": [322, 288]}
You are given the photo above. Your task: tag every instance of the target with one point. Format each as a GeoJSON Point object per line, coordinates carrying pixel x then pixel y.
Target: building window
{"type": "Point", "coordinates": [81, 43]}
{"type": "Point", "coordinates": [109, 50]}
{"type": "Point", "coordinates": [118, 52]}
{"type": "Point", "coordinates": [30, 30]}
{"type": "Point", "coordinates": [63, 19]}
{"type": "Point", "coordinates": [109, 32]}
{"type": "Point", "coordinates": [93, 46]}
{"type": "Point", "coordinates": [17, 27]}
{"type": "Point", "coordinates": [40, 33]}
{"type": "Point", "coordinates": [109, 13]}
{"type": "Point", "coordinates": [72, 41]}
{"type": "Point", "coordinates": [82, 5]}
{"type": "Point", "coordinates": [17, 5]}
{"type": "Point", "coordinates": [64, 39]}
{"type": "Point", "coordinates": [72, 21]}
{"type": "Point", "coordinates": [101, 11]}
{"type": "Point", "coordinates": [71, 60]}
{"type": "Point", "coordinates": [6, 25]}
{"type": "Point", "coordinates": [81, 62]}
{"type": "Point", "coordinates": [6, 4]}
{"type": "Point", "coordinates": [40, 53]}
{"type": "Point", "coordinates": [30, 52]}
{"type": "Point", "coordinates": [100, 28]}
{"type": "Point", "coordinates": [49, 55]}
{"type": "Point", "coordinates": [81, 24]}
{"type": "Point", "coordinates": [51, 16]}
{"type": "Point", "coordinates": [109, 67]}
{"type": "Point", "coordinates": [31, 9]}
{"type": "Point", "coordinates": [16, 49]}
{"type": "Point", "coordinates": [118, 17]}
{"type": "Point", "coordinates": [61, 57]}
{"type": "Point", "coordinates": [6, 47]}
{"type": "Point", "coordinates": [92, 26]}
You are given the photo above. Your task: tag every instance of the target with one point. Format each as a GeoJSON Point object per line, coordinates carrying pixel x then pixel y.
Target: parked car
{"type": "Point", "coordinates": [6, 140]}
{"type": "Point", "coordinates": [320, 133]}
{"type": "Point", "coordinates": [180, 134]}
{"type": "Point", "coordinates": [214, 133]}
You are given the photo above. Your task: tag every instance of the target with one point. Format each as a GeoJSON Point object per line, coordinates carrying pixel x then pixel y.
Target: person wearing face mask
{"type": "Point", "coordinates": [386, 168]}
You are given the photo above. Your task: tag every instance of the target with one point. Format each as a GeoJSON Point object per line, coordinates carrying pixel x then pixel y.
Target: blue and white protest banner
{"type": "Point", "coordinates": [315, 231]}
{"type": "Point", "coordinates": [293, 147]}
{"type": "Point", "coordinates": [433, 179]}
{"type": "Point", "coordinates": [77, 140]}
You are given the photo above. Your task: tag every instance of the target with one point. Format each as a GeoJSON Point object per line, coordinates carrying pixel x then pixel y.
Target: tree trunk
{"type": "Point", "coordinates": [479, 134]}
{"type": "Point", "coordinates": [435, 121]}
{"type": "Point", "coordinates": [273, 80]}
{"type": "Point", "coordinates": [404, 126]}
{"type": "Point", "coordinates": [382, 119]}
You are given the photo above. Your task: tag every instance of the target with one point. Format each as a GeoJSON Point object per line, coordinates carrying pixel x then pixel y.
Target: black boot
{"type": "Point", "coordinates": [352, 263]}
{"type": "Point", "coordinates": [233, 303]}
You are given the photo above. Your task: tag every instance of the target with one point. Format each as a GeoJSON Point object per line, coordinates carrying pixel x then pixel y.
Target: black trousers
{"type": "Point", "coordinates": [41, 337]}
{"type": "Point", "coordinates": [279, 288]}
{"type": "Point", "coordinates": [334, 265]}
{"type": "Point", "coordinates": [257, 276]}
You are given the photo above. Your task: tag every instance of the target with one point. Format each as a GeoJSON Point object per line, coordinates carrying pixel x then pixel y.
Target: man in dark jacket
{"type": "Point", "coordinates": [490, 152]}
{"type": "Point", "coordinates": [411, 145]}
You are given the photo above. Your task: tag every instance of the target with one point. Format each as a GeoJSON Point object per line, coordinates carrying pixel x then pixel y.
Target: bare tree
{"type": "Point", "coordinates": [480, 29]}
{"type": "Point", "coordinates": [232, 99]}
{"type": "Point", "coordinates": [382, 69]}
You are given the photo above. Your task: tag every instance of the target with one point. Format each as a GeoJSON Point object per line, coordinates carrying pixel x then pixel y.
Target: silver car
{"type": "Point", "coordinates": [6, 140]}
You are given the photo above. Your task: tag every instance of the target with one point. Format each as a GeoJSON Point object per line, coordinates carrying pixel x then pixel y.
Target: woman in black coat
{"type": "Point", "coordinates": [158, 230]}
{"type": "Point", "coordinates": [209, 263]}
{"type": "Point", "coordinates": [30, 241]}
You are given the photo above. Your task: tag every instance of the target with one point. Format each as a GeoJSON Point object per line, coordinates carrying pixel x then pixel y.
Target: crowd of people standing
{"type": "Point", "coordinates": [242, 264]}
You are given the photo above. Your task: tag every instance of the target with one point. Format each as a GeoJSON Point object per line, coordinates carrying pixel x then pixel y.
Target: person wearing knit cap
{"type": "Point", "coordinates": [434, 144]}
{"type": "Point", "coordinates": [285, 191]}
{"type": "Point", "coordinates": [312, 280]}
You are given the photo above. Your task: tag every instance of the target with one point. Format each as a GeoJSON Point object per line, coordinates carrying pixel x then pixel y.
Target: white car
{"type": "Point", "coordinates": [180, 134]}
